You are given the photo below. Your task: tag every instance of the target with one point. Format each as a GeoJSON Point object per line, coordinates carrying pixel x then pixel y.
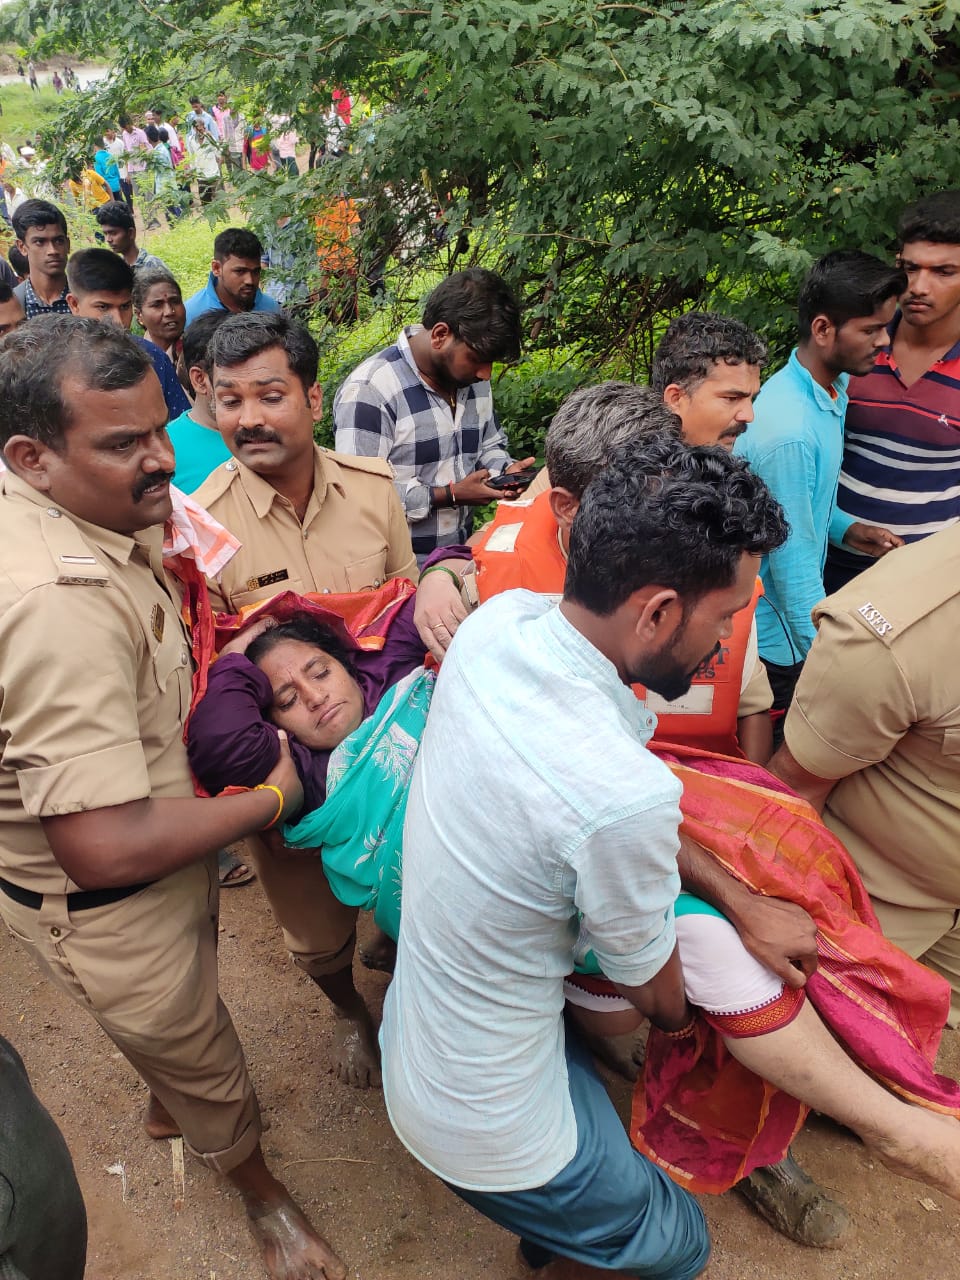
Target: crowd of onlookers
{"type": "Point", "coordinates": [165, 162]}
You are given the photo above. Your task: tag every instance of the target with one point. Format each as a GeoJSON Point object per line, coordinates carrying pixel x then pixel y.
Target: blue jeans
{"type": "Point", "coordinates": [610, 1207]}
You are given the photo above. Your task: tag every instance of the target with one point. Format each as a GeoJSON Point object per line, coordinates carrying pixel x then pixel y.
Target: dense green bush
{"type": "Point", "coordinates": [528, 394]}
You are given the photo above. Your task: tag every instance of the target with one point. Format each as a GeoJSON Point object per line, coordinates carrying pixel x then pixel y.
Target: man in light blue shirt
{"type": "Point", "coordinates": [796, 445]}
{"type": "Point", "coordinates": [538, 825]}
{"type": "Point", "coordinates": [199, 112]}
{"type": "Point", "coordinates": [234, 281]}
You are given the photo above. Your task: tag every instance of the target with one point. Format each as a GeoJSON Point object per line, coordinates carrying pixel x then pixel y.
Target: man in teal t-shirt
{"type": "Point", "coordinates": [197, 443]}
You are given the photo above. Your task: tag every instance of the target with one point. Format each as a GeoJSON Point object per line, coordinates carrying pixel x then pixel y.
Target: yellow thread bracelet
{"type": "Point", "coordinates": [268, 786]}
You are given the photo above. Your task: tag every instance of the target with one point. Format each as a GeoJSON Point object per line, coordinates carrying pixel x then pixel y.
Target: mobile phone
{"type": "Point", "coordinates": [513, 479]}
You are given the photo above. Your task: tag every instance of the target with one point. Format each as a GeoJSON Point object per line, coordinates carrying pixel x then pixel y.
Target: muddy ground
{"type": "Point", "coordinates": [389, 1219]}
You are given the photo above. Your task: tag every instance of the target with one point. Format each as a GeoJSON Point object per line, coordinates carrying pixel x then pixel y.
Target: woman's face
{"type": "Point", "coordinates": [315, 698]}
{"type": "Point", "coordinates": [163, 314]}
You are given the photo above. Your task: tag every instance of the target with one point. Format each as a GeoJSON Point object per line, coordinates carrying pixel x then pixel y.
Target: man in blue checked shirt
{"type": "Point", "coordinates": [425, 405]}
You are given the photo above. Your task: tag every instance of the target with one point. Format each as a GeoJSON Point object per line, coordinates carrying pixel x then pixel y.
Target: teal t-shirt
{"type": "Point", "coordinates": [198, 450]}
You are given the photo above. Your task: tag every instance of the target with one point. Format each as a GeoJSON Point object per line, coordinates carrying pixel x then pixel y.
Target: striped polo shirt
{"type": "Point", "coordinates": [901, 457]}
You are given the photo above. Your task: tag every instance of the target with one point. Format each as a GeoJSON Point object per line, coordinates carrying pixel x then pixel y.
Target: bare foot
{"type": "Point", "coordinates": [379, 953]}
{"type": "Point", "coordinates": [930, 1155]}
{"type": "Point", "coordinates": [158, 1122]}
{"type": "Point", "coordinates": [356, 1055]}
{"type": "Point", "coordinates": [291, 1249]}
{"type": "Point", "coordinates": [622, 1054]}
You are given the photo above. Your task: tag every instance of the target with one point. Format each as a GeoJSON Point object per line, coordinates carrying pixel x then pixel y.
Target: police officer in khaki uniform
{"type": "Point", "coordinates": [106, 874]}
{"type": "Point", "coordinates": [873, 738]}
{"type": "Point", "coordinates": [310, 521]}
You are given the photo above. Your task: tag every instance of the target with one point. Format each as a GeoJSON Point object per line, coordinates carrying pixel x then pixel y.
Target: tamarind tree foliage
{"type": "Point", "coordinates": [618, 162]}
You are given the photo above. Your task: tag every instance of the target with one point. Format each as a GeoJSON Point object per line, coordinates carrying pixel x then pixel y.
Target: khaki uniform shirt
{"type": "Point", "coordinates": [878, 708]}
{"type": "Point", "coordinates": [354, 534]}
{"type": "Point", "coordinates": [94, 676]}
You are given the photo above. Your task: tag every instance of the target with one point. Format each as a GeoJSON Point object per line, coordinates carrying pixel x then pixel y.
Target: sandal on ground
{"type": "Point", "coordinates": [794, 1205]}
{"type": "Point", "coordinates": [233, 871]}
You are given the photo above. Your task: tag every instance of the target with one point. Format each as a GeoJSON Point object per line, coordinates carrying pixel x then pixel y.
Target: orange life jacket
{"type": "Point", "coordinates": [521, 548]}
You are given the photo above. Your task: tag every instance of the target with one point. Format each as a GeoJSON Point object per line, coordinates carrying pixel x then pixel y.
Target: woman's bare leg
{"type": "Point", "coordinates": [804, 1060]}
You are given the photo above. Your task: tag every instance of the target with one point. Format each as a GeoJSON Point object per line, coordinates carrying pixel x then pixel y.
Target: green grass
{"type": "Point", "coordinates": [24, 111]}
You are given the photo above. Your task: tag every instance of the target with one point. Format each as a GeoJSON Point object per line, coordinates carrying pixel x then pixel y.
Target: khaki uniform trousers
{"type": "Point", "coordinates": [931, 935]}
{"type": "Point", "coordinates": [319, 931]}
{"type": "Point", "coordinates": [146, 969]}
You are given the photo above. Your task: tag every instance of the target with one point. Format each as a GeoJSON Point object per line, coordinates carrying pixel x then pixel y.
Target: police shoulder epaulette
{"type": "Point", "coordinates": [217, 483]}
{"type": "Point", "coordinates": [74, 563]}
{"type": "Point", "coordinates": [351, 462]}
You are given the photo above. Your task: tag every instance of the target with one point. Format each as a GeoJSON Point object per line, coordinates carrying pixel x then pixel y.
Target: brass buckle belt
{"type": "Point", "coordinates": [84, 900]}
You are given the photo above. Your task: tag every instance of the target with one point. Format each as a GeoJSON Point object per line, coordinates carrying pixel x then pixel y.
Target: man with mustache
{"type": "Point", "coordinates": [310, 520]}
{"type": "Point", "coordinates": [796, 443]}
{"type": "Point", "coordinates": [706, 369]}
{"type": "Point", "coordinates": [107, 875]}
{"type": "Point", "coordinates": [901, 460]}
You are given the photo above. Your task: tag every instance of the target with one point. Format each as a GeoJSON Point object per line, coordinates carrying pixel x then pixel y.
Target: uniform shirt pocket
{"type": "Point", "coordinates": [172, 662]}
{"type": "Point", "coordinates": [367, 574]}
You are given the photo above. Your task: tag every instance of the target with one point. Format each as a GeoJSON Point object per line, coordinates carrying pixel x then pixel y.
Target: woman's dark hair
{"type": "Point", "coordinates": [308, 630]}
{"type": "Point", "coordinates": [660, 513]}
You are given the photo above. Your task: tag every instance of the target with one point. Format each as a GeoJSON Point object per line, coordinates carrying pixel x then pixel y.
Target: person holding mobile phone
{"type": "Point", "coordinates": [426, 406]}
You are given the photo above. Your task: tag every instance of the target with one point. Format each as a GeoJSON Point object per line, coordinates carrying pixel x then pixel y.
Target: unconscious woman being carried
{"type": "Point", "coordinates": [857, 1043]}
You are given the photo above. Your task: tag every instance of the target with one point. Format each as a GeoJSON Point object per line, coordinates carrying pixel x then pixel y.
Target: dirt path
{"type": "Point", "coordinates": [389, 1219]}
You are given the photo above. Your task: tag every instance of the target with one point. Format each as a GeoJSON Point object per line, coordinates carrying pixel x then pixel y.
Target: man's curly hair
{"type": "Point", "coordinates": [660, 513]}
{"type": "Point", "coordinates": [698, 340]}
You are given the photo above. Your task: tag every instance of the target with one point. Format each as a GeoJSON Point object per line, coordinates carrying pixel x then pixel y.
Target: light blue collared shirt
{"type": "Point", "coordinates": [795, 444]}
{"type": "Point", "coordinates": [206, 299]}
{"type": "Point", "coordinates": [537, 825]}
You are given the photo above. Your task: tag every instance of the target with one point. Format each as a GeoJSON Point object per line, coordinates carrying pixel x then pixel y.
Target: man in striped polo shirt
{"type": "Point", "coordinates": [901, 459]}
